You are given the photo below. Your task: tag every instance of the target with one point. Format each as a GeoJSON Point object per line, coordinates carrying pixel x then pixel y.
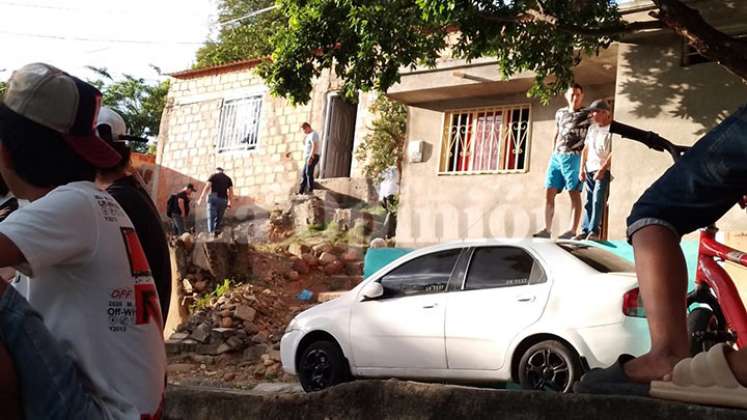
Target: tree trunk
{"type": "Point", "coordinates": [710, 42]}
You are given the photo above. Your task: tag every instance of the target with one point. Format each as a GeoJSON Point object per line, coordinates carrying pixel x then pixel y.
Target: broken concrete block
{"type": "Point", "coordinates": [245, 313]}
{"type": "Point", "coordinates": [255, 352]}
{"type": "Point", "coordinates": [352, 255]}
{"type": "Point", "coordinates": [292, 275]}
{"type": "Point", "coordinates": [310, 260]}
{"type": "Point", "coordinates": [178, 336]}
{"type": "Point", "coordinates": [260, 338]}
{"type": "Point", "coordinates": [378, 243]}
{"type": "Point", "coordinates": [343, 218]}
{"type": "Point", "coordinates": [327, 258]}
{"type": "Point", "coordinates": [301, 267]}
{"type": "Point", "coordinates": [201, 333]}
{"type": "Point", "coordinates": [187, 287]}
{"type": "Point", "coordinates": [322, 248]}
{"type": "Point", "coordinates": [187, 241]}
{"type": "Point", "coordinates": [335, 267]}
{"type": "Point", "coordinates": [298, 249]}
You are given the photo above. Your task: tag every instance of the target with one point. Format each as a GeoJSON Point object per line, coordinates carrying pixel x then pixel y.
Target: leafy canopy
{"type": "Point", "coordinates": [138, 102]}
{"type": "Point", "coordinates": [242, 39]}
{"type": "Point", "coordinates": [367, 42]}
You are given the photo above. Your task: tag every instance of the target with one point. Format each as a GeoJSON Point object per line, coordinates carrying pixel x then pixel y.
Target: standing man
{"type": "Point", "coordinates": [563, 172]}
{"type": "Point", "coordinates": [596, 159]}
{"type": "Point", "coordinates": [221, 194]}
{"type": "Point", "coordinates": [177, 208]}
{"type": "Point", "coordinates": [310, 159]}
{"type": "Point", "coordinates": [136, 203]}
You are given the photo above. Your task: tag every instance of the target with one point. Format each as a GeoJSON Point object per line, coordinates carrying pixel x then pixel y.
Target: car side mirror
{"type": "Point", "coordinates": [373, 290]}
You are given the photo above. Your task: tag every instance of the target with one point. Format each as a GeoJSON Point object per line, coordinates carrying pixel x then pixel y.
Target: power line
{"type": "Point", "coordinates": [109, 41]}
{"type": "Point", "coordinates": [77, 9]}
{"type": "Point", "coordinates": [247, 16]}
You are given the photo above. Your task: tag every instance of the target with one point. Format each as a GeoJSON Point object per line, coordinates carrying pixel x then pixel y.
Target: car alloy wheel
{"type": "Point", "coordinates": [549, 366]}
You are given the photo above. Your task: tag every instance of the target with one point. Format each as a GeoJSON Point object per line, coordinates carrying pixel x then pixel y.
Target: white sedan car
{"type": "Point", "coordinates": [537, 312]}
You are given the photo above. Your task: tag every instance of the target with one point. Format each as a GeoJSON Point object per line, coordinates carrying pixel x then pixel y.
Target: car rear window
{"type": "Point", "coordinates": [598, 259]}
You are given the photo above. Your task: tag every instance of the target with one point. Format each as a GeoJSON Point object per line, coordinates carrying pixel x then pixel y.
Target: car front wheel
{"type": "Point", "coordinates": [549, 366]}
{"type": "Point", "coordinates": [321, 366]}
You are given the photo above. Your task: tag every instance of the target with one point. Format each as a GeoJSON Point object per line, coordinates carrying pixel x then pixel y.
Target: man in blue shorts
{"type": "Point", "coordinates": [571, 124]}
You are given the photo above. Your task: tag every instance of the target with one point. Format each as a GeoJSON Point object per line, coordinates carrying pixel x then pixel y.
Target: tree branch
{"type": "Point", "coordinates": [539, 16]}
{"type": "Point", "coordinates": [710, 42]}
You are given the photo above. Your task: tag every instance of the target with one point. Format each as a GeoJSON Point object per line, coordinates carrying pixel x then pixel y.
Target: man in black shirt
{"type": "Point", "coordinates": [221, 194]}
{"type": "Point", "coordinates": [177, 208]}
{"type": "Point", "coordinates": [136, 202]}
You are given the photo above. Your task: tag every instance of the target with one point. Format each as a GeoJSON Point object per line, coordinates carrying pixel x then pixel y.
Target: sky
{"type": "Point", "coordinates": [122, 36]}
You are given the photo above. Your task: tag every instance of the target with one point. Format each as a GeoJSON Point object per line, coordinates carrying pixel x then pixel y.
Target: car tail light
{"type": "Point", "coordinates": [632, 304]}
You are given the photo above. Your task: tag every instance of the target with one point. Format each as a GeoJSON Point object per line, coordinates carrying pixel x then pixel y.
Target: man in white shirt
{"type": "Point", "coordinates": [596, 159]}
{"type": "Point", "coordinates": [85, 339]}
{"type": "Point", "coordinates": [310, 159]}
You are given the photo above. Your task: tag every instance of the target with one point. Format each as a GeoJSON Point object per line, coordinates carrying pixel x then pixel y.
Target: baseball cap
{"type": "Point", "coordinates": [599, 105]}
{"type": "Point", "coordinates": [54, 99]}
{"type": "Point", "coordinates": [115, 122]}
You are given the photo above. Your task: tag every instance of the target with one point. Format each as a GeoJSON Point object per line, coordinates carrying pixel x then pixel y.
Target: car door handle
{"type": "Point", "coordinates": [525, 298]}
{"type": "Point", "coordinates": [431, 306]}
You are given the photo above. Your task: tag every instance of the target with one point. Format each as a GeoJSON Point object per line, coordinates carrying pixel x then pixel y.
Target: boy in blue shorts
{"type": "Point", "coordinates": [571, 124]}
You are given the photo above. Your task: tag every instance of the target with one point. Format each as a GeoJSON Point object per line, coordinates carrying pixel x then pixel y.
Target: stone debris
{"type": "Point", "coordinates": [239, 300]}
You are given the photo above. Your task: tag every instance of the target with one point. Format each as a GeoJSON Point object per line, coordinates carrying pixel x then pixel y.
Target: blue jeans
{"type": "Point", "coordinates": [177, 221]}
{"type": "Point", "coordinates": [50, 382]}
{"type": "Point", "coordinates": [307, 178]}
{"type": "Point", "coordinates": [596, 199]}
{"type": "Point", "coordinates": [216, 208]}
{"type": "Point", "coordinates": [702, 186]}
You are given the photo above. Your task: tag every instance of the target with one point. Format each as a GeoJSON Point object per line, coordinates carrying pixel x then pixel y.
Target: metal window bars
{"type": "Point", "coordinates": [486, 140]}
{"type": "Point", "coordinates": [239, 124]}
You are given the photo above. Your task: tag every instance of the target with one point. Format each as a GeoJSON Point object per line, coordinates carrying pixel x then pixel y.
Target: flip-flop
{"type": "Point", "coordinates": [611, 381]}
{"type": "Point", "coordinates": [703, 379]}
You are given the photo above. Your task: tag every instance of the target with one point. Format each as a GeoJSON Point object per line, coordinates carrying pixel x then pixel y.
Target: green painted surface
{"type": "Point", "coordinates": [377, 258]}
{"type": "Point", "coordinates": [689, 249]}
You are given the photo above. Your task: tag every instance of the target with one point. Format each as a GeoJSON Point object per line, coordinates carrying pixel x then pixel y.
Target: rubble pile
{"type": "Point", "coordinates": [237, 300]}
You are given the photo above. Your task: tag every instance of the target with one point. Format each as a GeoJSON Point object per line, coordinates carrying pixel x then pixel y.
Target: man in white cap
{"type": "Point", "coordinates": [119, 182]}
{"type": "Point", "coordinates": [86, 339]}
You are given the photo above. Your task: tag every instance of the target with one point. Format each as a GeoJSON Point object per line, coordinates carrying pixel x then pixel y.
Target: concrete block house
{"type": "Point", "coordinates": [224, 117]}
{"type": "Point", "coordinates": [486, 145]}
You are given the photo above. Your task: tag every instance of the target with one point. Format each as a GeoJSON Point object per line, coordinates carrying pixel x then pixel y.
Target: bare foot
{"type": "Point", "coordinates": [650, 367]}
{"type": "Point", "coordinates": [738, 364]}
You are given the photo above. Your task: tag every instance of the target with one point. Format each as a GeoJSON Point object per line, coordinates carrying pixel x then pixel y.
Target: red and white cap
{"type": "Point", "coordinates": [54, 99]}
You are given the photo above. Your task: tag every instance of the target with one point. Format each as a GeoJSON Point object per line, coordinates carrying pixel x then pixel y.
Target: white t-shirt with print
{"type": "Point", "coordinates": [599, 146]}
{"type": "Point", "coordinates": [90, 281]}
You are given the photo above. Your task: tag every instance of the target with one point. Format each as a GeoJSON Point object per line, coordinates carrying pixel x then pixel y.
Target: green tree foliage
{"type": "Point", "coordinates": [366, 43]}
{"type": "Point", "coordinates": [384, 146]}
{"type": "Point", "coordinates": [3, 87]}
{"type": "Point", "coordinates": [243, 39]}
{"type": "Point", "coordinates": [138, 102]}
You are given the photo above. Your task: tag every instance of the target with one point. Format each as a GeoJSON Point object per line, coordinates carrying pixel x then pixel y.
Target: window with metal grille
{"type": "Point", "coordinates": [487, 140]}
{"type": "Point", "coordinates": [239, 124]}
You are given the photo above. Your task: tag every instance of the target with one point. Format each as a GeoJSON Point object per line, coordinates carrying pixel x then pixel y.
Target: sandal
{"type": "Point", "coordinates": [611, 381]}
{"type": "Point", "coordinates": [703, 379]}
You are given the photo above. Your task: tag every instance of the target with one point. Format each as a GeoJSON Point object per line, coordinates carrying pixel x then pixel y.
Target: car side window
{"type": "Point", "coordinates": [493, 267]}
{"type": "Point", "coordinates": [426, 274]}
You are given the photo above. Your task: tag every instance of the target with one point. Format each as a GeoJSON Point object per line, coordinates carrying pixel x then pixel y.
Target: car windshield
{"type": "Point", "coordinates": [597, 258]}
